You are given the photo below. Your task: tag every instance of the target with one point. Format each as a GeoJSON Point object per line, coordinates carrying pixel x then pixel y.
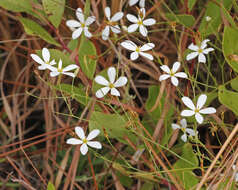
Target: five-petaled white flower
{"type": "Point", "coordinates": [57, 71]}
{"type": "Point", "coordinates": [236, 174]}
{"type": "Point", "coordinates": [78, 27]}
{"type": "Point", "coordinates": [197, 111]}
{"type": "Point", "coordinates": [111, 84]}
{"type": "Point", "coordinates": [140, 22]}
{"type": "Point", "coordinates": [184, 129]}
{"type": "Point", "coordinates": [137, 50]}
{"type": "Point", "coordinates": [45, 63]}
{"type": "Point", "coordinates": [85, 142]}
{"type": "Point", "coordinates": [172, 73]}
{"type": "Point", "coordinates": [133, 2]}
{"type": "Point", "coordinates": [199, 51]}
{"type": "Point", "coordinates": [111, 23]}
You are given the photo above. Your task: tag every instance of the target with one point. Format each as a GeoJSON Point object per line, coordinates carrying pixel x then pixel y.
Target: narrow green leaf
{"type": "Point", "coordinates": [230, 46]}
{"type": "Point", "coordinates": [191, 4]}
{"type": "Point", "coordinates": [55, 10]}
{"type": "Point", "coordinates": [32, 28]}
{"type": "Point", "coordinates": [234, 84]}
{"type": "Point", "coordinates": [50, 186]}
{"type": "Point", "coordinates": [184, 19]}
{"type": "Point", "coordinates": [228, 98]}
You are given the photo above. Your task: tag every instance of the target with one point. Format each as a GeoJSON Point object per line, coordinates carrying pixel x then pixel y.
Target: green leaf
{"type": "Point", "coordinates": [230, 46]}
{"type": "Point", "coordinates": [214, 11]}
{"type": "Point", "coordinates": [77, 93]}
{"type": "Point", "coordinates": [184, 19]}
{"type": "Point", "coordinates": [55, 10]}
{"type": "Point", "coordinates": [191, 3]}
{"type": "Point", "coordinates": [114, 124]}
{"type": "Point", "coordinates": [183, 169]}
{"type": "Point", "coordinates": [234, 84]}
{"type": "Point", "coordinates": [228, 98]}
{"type": "Point", "coordinates": [50, 186]}
{"type": "Point", "coordinates": [87, 57]}
{"type": "Point", "coordinates": [32, 28]}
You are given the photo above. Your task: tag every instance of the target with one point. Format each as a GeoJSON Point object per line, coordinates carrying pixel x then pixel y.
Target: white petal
{"type": "Point", "coordinates": [132, 18]}
{"type": "Point", "coordinates": [70, 67]}
{"type": "Point", "coordinates": [42, 67]}
{"type": "Point", "coordinates": [142, 3]}
{"type": "Point", "coordinates": [46, 55]}
{"type": "Point", "coordinates": [191, 132]}
{"type": "Point", "coordinates": [101, 80]}
{"type": "Point", "coordinates": [201, 58]}
{"type": "Point", "coordinates": [105, 33]}
{"type": "Point", "coordinates": [94, 144]}
{"type": "Point", "coordinates": [54, 73]}
{"type": "Point", "coordinates": [80, 132]}
{"type": "Point", "coordinates": [165, 68]}
{"type": "Point", "coordinates": [184, 137]}
{"type": "Point", "coordinates": [187, 113]}
{"type": "Point", "coordinates": [115, 92]}
{"type": "Point", "coordinates": [52, 62]}
{"type": "Point", "coordinates": [84, 149]}
{"type": "Point", "coordinates": [183, 122]}
{"type": "Point", "coordinates": [90, 20]}
{"type": "Point", "coordinates": [121, 81]}
{"type": "Point", "coordinates": [147, 47]}
{"type": "Point", "coordinates": [129, 45]}
{"type": "Point", "coordinates": [142, 11]}
{"type": "Point", "coordinates": [181, 75]}
{"type": "Point", "coordinates": [134, 55]}
{"type": "Point", "coordinates": [199, 118]}
{"type": "Point", "coordinates": [206, 51]}
{"type": "Point", "coordinates": [37, 59]}
{"type": "Point", "coordinates": [175, 126]}
{"type": "Point", "coordinates": [60, 64]}
{"type": "Point", "coordinates": [149, 22]}
{"type": "Point", "coordinates": [73, 23]}
{"type": "Point", "coordinates": [69, 74]}
{"type": "Point", "coordinates": [193, 47]}
{"type": "Point", "coordinates": [77, 33]}
{"type": "Point", "coordinates": [87, 33]}
{"type": "Point", "coordinates": [102, 92]}
{"type": "Point", "coordinates": [188, 102]}
{"type": "Point", "coordinates": [209, 110]}
{"type": "Point", "coordinates": [175, 67]}
{"type": "Point", "coordinates": [174, 81]}
{"type": "Point", "coordinates": [93, 134]}
{"type": "Point", "coordinates": [164, 77]}
{"type": "Point", "coordinates": [201, 101]}
{"type": "Point", "coordinates": [133, 2]}
{"type": "Point", "coordinates": [116, 17]}
{"type": "Point", "coordinates": [143, 30]}
{"type": "Point", "coordinates": [116, 29]}
{"type": "Point", "coordinates": [191, 56]}
{"type": "Point", "coordinates": [74, 141]}
{"type": "Point", "coordinates": [111, 72]}
{"type": "Point", "coordinates": [80, 15]}
{"type": "Point", "coordinates": [204, 43]}
{"type": "Point", "coordinates": [107, 11]}
{"type": "Point", "coordinates": [51, 68]}
{"type": "Point", "coordinates": [147, 55]}
{"type": "Point", "coordinates": [132, 28]}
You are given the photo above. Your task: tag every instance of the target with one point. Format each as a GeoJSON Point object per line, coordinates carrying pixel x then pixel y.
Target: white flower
{"type": "Point", "coordinates": [236, 175]}
{"type": "Point", "coordinates": [111, 23]}
{"type": "Point", "coordinates": [184, 129]}
{"type": "Point", "coordinates": [197, 111]}
{"type": "Point", "coordinates": [85, 142]}
{"type": "Point", "coordinates": [208, 18]}
{"type": "Point", "coordinates": [111, 84]}
{"type": "Point", "coordinates": [140, 22]}
{"type": "Point", "coordinates": [133, 2]}
{"type": "Point", "coordinates": [45, 63]}
{"type": "Point", "coordinates": [138, 50]}
{"type": "Point", "coordinates": [56, 71]}
{"type": "Point", "coordinates": [78, 27]}
{"type": "Point", "coordinates": [199, 51]}
{"type": "Point", "coordinates": [172, 73]}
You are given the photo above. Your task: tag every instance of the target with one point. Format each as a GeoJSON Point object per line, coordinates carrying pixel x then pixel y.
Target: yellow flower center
{"type": "Point", "coordinates": [82, 25]}
{"type": "Point", "coordinates": [200, 50]}
{"type": "Point", "coordinates": [172, 73]}
{"type": "Point", "coordinates": [183, 129]}
{"type": "Point", "coordinates": [60, 70]}
{"type": "Point", "coordinates": [140, 22]}
{"type": "Point", "coordinates": [196, 110]}
{"type": "Point", "coordinates": [110, 23]}
{"type": "Point", "coordinates": [138, 49]}
{"type": "Point", "coordinates": [85, 141]}
{"type": "Point", "coordinates": [111, 85]}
